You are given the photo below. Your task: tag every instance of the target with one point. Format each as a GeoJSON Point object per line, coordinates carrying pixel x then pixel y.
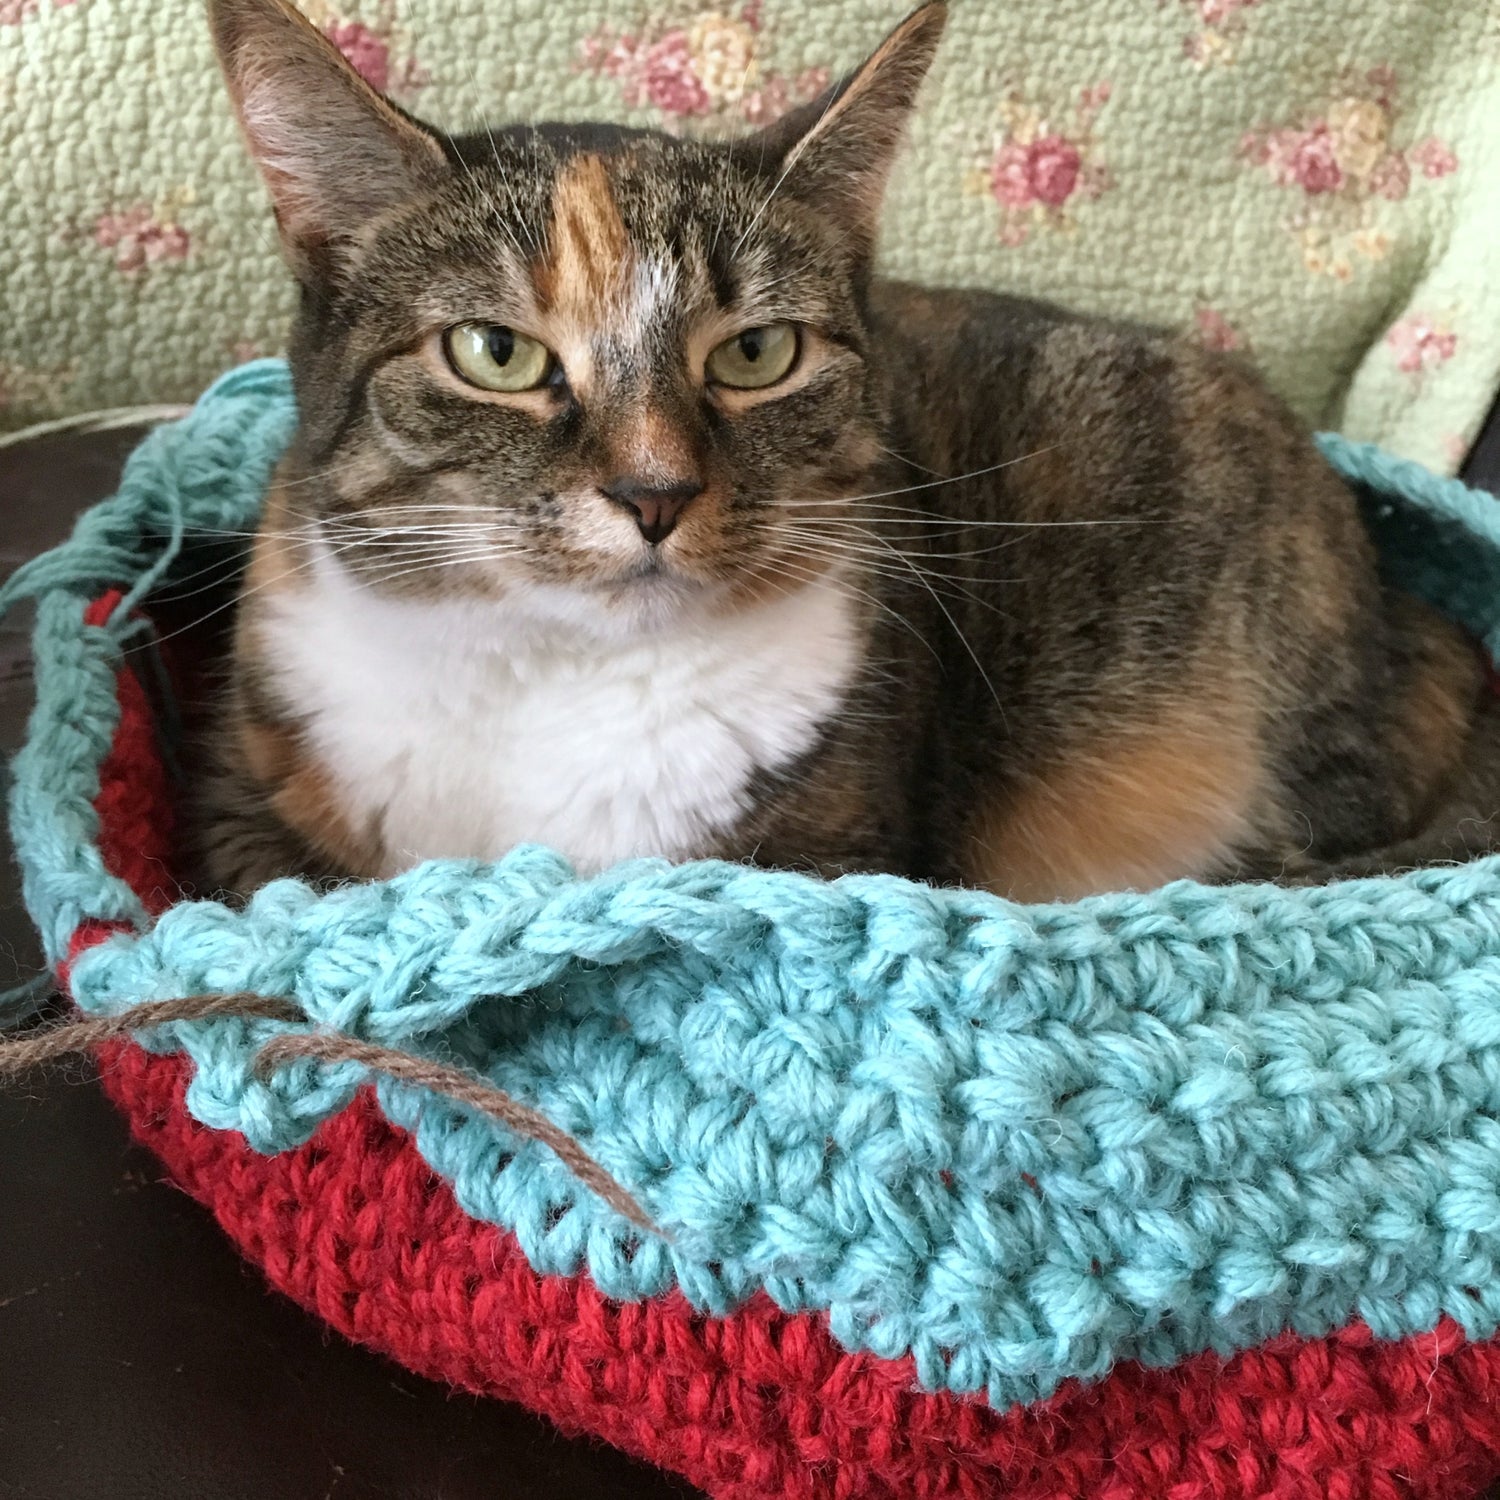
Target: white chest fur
{"type": "Point", "coordinates": [457, 734]}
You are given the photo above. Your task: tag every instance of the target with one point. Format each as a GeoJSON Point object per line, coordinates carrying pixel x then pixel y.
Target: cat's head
{"type": "Point", "coordinates": [605, 371]}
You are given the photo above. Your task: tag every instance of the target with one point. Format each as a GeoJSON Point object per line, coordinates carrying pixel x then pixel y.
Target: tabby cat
{"type": "Point", "coordinates": [632, 513]}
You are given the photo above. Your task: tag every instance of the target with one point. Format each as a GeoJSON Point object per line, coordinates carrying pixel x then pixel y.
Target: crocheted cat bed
{"type": "Point", "coordinates": [1186, 1194]}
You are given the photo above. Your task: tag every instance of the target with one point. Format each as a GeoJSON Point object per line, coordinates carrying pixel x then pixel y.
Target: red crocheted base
{"type": "Point", "coordinates": [358, 1229]}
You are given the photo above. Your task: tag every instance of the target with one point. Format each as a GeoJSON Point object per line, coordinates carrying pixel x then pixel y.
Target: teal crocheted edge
{"type": "Point", "coordinates": [1019, 1144]}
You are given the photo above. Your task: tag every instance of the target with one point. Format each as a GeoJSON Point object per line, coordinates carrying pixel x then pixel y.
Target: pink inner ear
{"type": "Point", "coordinates": [848, 147]}
{"type": "Point", "coordinates": [333, 152]}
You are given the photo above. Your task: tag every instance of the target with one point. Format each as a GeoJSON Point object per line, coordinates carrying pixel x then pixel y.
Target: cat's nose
{"type": "Point", "coordinates": [656, 507]}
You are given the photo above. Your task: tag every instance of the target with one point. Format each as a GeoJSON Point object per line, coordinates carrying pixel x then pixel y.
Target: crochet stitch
{"type": "Point", "coordinates": [998, 1148]}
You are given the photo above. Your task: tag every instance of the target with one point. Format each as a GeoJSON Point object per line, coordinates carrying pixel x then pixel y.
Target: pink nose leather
{"type": "Point", "coordinates": [656, 507]}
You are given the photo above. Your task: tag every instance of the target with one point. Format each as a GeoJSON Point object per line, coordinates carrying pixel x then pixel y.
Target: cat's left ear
{"type": "Point", "coordinates": [838, 150]}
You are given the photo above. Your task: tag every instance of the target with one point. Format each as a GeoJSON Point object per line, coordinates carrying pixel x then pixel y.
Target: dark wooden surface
{"type": "Point", "coordinates": [139, 1358]}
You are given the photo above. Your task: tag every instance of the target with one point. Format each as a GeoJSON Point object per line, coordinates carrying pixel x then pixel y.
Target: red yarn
{"type": "Point", "coordinates": [134, 803]}
{"type": "Point", "coordinates": [356, 1227]}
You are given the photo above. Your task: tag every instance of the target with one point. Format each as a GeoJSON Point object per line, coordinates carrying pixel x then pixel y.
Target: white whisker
{"type": "Point", "coordinates": [793, 156]}
{"type": "Point", "coordinates": [442, 556]}
{"type": "Point", "coordinates": [806, 575]}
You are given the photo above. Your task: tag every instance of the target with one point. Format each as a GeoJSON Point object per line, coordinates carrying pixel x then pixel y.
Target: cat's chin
{"type": "Point", "coordinates": [655, 594]}
{"type": "Point", "coordinates": [646, 599]}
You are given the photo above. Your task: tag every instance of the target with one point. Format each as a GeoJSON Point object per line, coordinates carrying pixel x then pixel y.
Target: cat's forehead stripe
{"type": "Point", "coordinates": [589, 255]}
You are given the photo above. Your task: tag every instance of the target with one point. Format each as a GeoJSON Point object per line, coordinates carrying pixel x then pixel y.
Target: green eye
{"type": "Point", "coordinates": [496, 358]}
{"type": "Point", "coordinates": [754, 359]}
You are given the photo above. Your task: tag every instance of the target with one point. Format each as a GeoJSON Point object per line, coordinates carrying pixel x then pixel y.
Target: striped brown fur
{"type": "Point", "coordinates": [1117, 621]}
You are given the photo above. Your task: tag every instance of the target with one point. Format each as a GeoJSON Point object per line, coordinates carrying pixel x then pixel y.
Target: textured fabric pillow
{"type": "Point", "coordinates": [1311, 181]}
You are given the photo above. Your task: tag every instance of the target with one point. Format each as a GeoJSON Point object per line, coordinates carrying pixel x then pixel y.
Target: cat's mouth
{"type": "Point", "coordinates": [652, 571]}
{"type": "Point", "coordinates": [652, 565]}
{"type": "Point", "coordinates": [655, 581]}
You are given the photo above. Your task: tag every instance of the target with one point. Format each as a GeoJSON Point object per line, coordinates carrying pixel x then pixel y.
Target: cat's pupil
{"type": "Point", "coordinates": [752, 344]}
{"type": "Point", "coordinates": [502, 344]}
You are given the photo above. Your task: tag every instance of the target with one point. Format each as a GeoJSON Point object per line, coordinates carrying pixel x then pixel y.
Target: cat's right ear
{"type": "Point", "coordinates": [333, 152]}
{"type": "Point", "coordinates": [838, 150]}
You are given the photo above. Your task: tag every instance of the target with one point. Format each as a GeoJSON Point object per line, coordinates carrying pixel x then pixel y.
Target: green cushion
{"type": "Point", "coordinates": [1314, 181]}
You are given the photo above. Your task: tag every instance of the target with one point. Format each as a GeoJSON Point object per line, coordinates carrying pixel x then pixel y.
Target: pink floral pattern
{"type": "Point", "coordinates": [1342, 164]}
{"type": "Point", "coordinates": [1433, 157]}
{"type": "Point", "coordinates": [1419, 344]}
{"type": "Point", "coordinates": [13, 12]}
{"type": "Point", "coordinates": [380, 52]}
{"type": "Point", "coordinates": [141, 236]}
{"type": "Point", "coordinates": [702, 69]}
{"type": "Point", "coordinates": [1221, 24]}
{"type": "Point", "coordinates": [1040, 166]}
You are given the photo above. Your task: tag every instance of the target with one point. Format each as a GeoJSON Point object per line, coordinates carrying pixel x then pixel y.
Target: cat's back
{"type": "Point", "coordinates": [1151, 500]}
{"type": "Point", "coordinates": [1075, 418]}
{"type": "Point", "coordinates": [1189, 599]}
{"type": "Point", "coordinates": [966, 364]}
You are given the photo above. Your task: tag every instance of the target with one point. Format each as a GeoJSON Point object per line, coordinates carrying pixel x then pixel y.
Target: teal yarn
{"type": "Point", "coordinates": [1019, 1143]}
{"type": "Point", "coordinates": [1436, 538]}
{"type": "Point", "coordinates": [175, 478]}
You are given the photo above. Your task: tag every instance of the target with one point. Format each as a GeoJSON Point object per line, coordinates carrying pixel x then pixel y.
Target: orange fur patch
{"type": "Point", "coordinates": [304, 796]}
{"type": "Point", "coordinates": [1437, 709]}
{"type": "Point", "coordinates": [655, 448]}
{"type": "Point", "coordinates": [272, 555]}
{"type": "Point", "coordinates": [298, 789]}
{"type": "Point", "coordinates": [309, 802]}
{"type": "Point", "coordinates": [271, 751]}
{"type": "Point", "coordinates": [588, 248]}
{"type": "Point", "coordinates": [1129, 812]}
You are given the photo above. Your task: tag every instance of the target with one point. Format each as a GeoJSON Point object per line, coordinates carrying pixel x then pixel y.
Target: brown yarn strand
{"type": "Point", "coordinates": [19, 1055]}
{"type": "Point", "coordinates": [49, 1044]}
{"type": "Point", "coordinates": [463, 1087]}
